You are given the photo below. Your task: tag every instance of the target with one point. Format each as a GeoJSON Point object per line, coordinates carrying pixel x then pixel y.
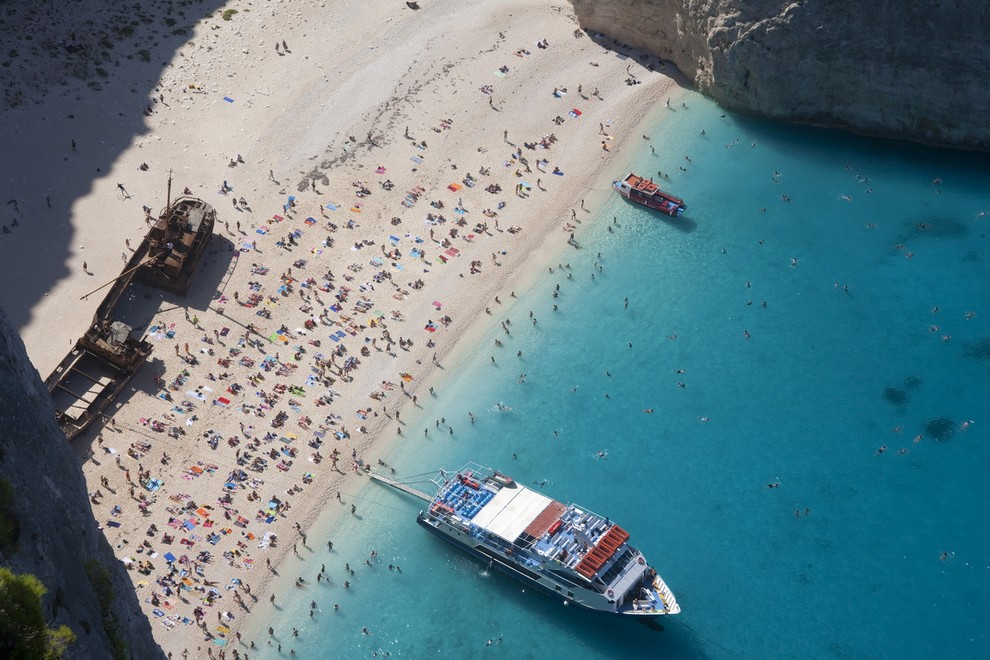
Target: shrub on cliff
{"type": "Point", "coordinates": [24, 633]}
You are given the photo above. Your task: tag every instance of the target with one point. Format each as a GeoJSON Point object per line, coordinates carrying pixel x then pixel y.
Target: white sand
{"type": "Point", "coordinates": [354, 69]}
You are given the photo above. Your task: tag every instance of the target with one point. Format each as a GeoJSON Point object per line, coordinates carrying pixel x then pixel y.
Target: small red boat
{"type": "Point", "coordinates": [643, 191]}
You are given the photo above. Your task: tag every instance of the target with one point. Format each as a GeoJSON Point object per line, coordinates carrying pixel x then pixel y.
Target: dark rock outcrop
{"type": "Point", "coordinates": [58, 539]}
{"type": "Point", "coordinates": [910, 69]}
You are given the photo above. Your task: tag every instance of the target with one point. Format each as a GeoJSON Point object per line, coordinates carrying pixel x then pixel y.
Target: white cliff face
{"type": "Point", "coordinates": [905, 69]}
{"type": "Point", "coordinates": [58, 534]}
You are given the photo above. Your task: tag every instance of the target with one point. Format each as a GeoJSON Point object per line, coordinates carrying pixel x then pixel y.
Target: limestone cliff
{"type": "Point", "coordinates": [58, 540]}
{"type": "Point", "coordinates": [906, 69]}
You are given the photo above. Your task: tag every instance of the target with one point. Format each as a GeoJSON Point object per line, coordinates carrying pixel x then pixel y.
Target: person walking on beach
{"type": "Point", "coordinates": [123, 191]}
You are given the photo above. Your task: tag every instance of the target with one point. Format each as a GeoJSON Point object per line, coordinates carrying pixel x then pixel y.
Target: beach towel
{"type": "Point", "coordinates": [228, 99]}
{"type": "Point", "coordinates": [417, 159]}
{"type": "Point", "coordinates": [574, 112]}
{"type": "Point", "coordinates": [331, 206]}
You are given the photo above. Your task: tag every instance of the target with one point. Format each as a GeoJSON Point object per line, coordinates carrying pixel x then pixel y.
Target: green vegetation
{"type": "Point", "coordinates": [24, 632]}
{"type": "Point", "coordinates": [10, 526]}
{"type": "Point", "coordinates": [228, 14]}
{"type": "Point", "coordinates": [99, 578]}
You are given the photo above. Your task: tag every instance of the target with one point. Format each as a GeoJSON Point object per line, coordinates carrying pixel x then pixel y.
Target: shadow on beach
{"type": "Point", "coordinates": [75, 86]}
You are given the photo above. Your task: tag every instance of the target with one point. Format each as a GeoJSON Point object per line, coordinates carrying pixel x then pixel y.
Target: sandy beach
{"type": "Point", "coordinates": [385, 178]}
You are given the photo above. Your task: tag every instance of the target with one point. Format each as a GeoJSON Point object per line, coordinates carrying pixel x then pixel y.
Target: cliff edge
{"type": "Point", "coordinates": [910, 70]}
{"type": "Point", "coordinates": [55, 537]}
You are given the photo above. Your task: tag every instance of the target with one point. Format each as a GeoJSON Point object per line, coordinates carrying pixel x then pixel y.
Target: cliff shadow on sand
{"type": "Point", "coordinates": [76, 82]}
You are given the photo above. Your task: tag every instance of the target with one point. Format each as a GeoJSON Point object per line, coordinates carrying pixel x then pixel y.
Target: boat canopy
{"type": "Point", "coordinates": [510, 512]}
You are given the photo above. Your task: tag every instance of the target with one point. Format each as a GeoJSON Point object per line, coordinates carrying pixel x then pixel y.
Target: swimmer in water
{"type": "Point", "coordinates": [648, 410]}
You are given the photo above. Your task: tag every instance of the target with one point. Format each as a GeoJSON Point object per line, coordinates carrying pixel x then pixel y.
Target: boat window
{"type": "Point", "coordinates": [616, 568]}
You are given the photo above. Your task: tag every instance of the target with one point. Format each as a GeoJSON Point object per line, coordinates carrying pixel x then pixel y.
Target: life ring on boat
{"type": "Point", "coordinates": [641, 561]}
{"type": "Point", "coordinates": [610, 594]}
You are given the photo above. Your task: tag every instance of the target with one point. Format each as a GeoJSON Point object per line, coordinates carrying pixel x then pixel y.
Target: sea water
{"type": "Point", "coordinates": [789, 417]}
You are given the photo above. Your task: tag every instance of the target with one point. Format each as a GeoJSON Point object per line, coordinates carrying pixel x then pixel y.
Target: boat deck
{"type": "Point", "coordinates": [85, 381]}
{"type": "Point", "coordinates": [578, 533]}
{"type": "Point", "coordinates": [463, 500]}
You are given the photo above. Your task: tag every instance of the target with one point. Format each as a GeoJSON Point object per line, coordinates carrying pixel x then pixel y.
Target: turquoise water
{"type": "Point", "coordinates": [807, 401]}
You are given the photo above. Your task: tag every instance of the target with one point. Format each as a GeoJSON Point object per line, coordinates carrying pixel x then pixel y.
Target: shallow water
{"type": "Point", "coordinates": [844, 558]}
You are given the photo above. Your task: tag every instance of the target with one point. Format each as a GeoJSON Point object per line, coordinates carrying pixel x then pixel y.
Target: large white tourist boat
{"type": "Point", "coordinates": [561, 549]}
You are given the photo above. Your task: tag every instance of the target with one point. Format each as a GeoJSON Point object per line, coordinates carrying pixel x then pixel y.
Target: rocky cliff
{"type": "Point", "coordinates": [57, 538]}
{"type": "Point", "coordinates": [906, 69]}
